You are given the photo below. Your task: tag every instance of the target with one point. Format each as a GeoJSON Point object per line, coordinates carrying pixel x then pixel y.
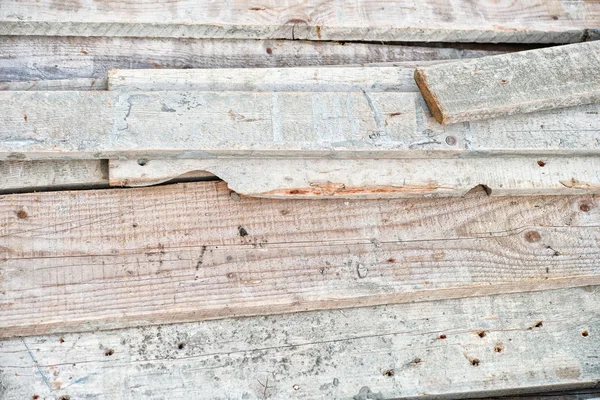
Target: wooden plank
{"type": "Point", "coordinates": [376, 178]}
{"type": "Point", "coordinates": [540, 21]}
{"type": "Point", "coordinates": [32, 175]}
{"type": "Point", "coordinates": [304, 79]}
{"type": "Point", "coordinates": [57, 84]}
{"type": "Point", "coordinates": [162, 125]}
{"type": "Point", "coordinates": [531, 342]}
{"type": "Point", "coordinates": [491, 87]}
{"type": "Point", "coordinates": [26, 58]}
{"type": "Point", "coordinates": [106, 259]}
{"type": "Point", "coordinates": [22, 176]}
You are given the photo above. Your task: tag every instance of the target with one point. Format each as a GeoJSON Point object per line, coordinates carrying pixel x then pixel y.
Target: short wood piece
{"type": "Point", "coordinates": [524, 82]}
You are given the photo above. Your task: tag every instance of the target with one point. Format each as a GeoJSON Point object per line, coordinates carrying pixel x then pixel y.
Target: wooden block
{"type": "Point", "coordinates": [28, 58]}
{"type": "Point", "coordinates": [523, 21]}
{"type": "Point", "coordinates": [44, 175]}
{"type": "Point", "coordinates": [106, 259]}
{"type": "Point", "coordinates": [376, 178]}
{"type": "Point", "coordinates": [511, 344]}
{"type": "Point", "coordinates": [165, 124]}
{"type": "Point", "coordinates": [497, 86]}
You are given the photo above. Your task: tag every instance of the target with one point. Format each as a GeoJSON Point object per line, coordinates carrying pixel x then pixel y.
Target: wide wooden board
{"type": "Point", "coordinates": [167, 124]}
{"type": "Point", "coordinates": [523, 82]}
{"type": "Point", "coordinates": [531, 21]}
{"type": "Point", "coordinates": [479, 347]}
{"type": "Point", "coordinates": [105, 259]}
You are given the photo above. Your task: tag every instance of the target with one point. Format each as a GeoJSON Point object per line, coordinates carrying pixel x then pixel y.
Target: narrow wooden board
{"type": "Point", "coordinates": [532, 342]}
{"type": "Point", "coordinates": [57, 84]}
{"type": "Point", "coordinates": [32, 175]}
{"type": "Point", "coordinates": [376, 178]}
{"type": "Point", "coordinates": [163, 125]}
{"type": "Point", "coordinates": [531, 21]}
{"type": "Point", "coordinates": [497, 86]}
{"type": "Point", "coordinates": [106, 259]}
{"type": "Point", "coordinates": [304, 79]}
{"type": "Point", "coordinates": [28, 58]}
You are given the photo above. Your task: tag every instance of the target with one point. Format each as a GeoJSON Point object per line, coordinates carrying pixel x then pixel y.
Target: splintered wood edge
{"type": "Point", "coordinates": [430, 98]}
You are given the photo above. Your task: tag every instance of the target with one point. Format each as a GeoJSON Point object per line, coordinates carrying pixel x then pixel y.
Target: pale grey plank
{"type": "Point", "coordinates": [395, 350]}
{"type": "Point", "coordinates": [27, 58]}
{"type": "Point", "coordinates": [376, 178]}
{"type": "Point", "coordinates": [76, 125]}
{"type": "Point", "coordinates": [539, 21]}
{"type": "Point", "coordinates": [523, 82]}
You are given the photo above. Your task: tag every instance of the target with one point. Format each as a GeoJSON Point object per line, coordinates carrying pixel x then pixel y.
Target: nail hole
{"type": "Point", "coordinates": [22, 214]}
{"type": "Point", "coordinates": [391, 260]}
{"type": "Point", "coordinates": [585, 333]}
{"type": "Point", "coordinates": [498, 347]}
{"type": "Point", "coordinates": [181, 346]}
{"type": "Point", "coordinates": [389, 372]}
{"type": "Point", "coordinates": [65, 397]}
{"type": "Point", "coordinates": [269, 51]}
{"type": "Point", "coordinates": [541, 163]}
{"type": "Point", "coordinates": [62, 340]}
{"type": "Point", "coordinates": [35, 396]}
{"type": "Point", "coordinates": [295, 387]}
{"type": "Point", "coordinates": [532, 236]}
{"type": "Point", "coordinates": [555, 17]}
{"type": "Point", "coordinates": [475, 362]}
{"type": "Point", "coordinates": [450, 140]}
{"type": "Point", "coordinates": [109, 352]}
{"type": "Point", "coordinates": [539, 324]}
{"type": "Point", "coordinates": [417, 360]}
{"type": "Point", "coordinates": [443, 336]}
{"type": "Point", "coordinates": [584, 207]}
{"type": "Point", "coordinates": [142, 162]}
{"type": "Point", "coordinates": [503, 81]}
{"type": "Point", "coordinates": [481, 334]}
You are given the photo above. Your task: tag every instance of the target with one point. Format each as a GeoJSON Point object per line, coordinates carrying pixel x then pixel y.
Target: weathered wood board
{"type": "Point", "coordinates": [464, 348]}
{"type": "Point", "coordinates": [28, 58]}
{"type": "Point", "coordinates": [531, 21]}
{"type": "Point", "coordinates": [105, 259]}
{"type": "Point", "coordinates": [165, 124]}
{"type": "Point", "coordinates": [303, 79]}
{"type": "Point", "coordinates": [376, 178]}
{"type": "Point", "coordinates": [523, 82]}
{"type": "Point", "coordinates": [32, 175]}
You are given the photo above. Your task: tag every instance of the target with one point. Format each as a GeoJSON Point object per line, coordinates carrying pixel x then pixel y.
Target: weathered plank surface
{"type": "Point", "coordinates": [32, 175]}
{"type": "Point", "coordinates": [46, 125]}
{"type": "Point", "coordinates": [304, 79]}
{"type": "Point", "coordinates": [497, 86]}
{"type": "Point", "coordinates": [104, 259]}
{"type": "Point", "coordinates": [26, 58]}
{"type": "Point", "coordinates": [539, 21]}
{"type": "Point", "coordinates": [57, 84]}
{"type": "Point", "coordinates": [474, 347]}
{"type": "Point", "coordinates": [378, 178]}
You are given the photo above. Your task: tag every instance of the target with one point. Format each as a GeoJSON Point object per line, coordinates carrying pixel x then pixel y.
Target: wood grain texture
{"type": "Point", "coordinates": [532, 342]}
{"type": "Point", "coordinates": [162, 125]}
{"type": "Point", "coordinates": [376, 178]}
{"type": "Point", "coordinates": [105, 259]}
{"type": "Point", "coordinates": [548, 21]}
{"type": "Point", "coordinates": [28, 58]}
{"type": "Point", "coordinates": [524, 82]}
{"type": "Point", "coordinates": [32, 175]}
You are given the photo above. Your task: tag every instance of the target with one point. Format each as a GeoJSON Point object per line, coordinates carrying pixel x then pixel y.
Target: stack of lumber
{"type": "Point", "coordinates": [321, 228]}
